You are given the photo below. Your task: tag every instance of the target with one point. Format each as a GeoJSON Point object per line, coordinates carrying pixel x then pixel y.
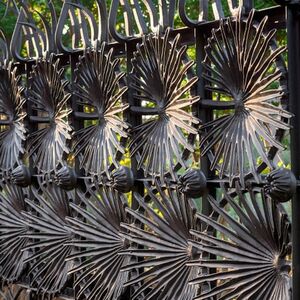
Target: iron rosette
{"type": "Point", "coordinates": [99, 89]}
{"type": "Point", "coordinates": [246, 75]}
{"type": "Point", "coordinates": [163, 81]}
{"type": "Point", "coordinates": [250, 251]}
{"type": "Point", "coordinates": [13, 131]}
{"type": "Point", "coordinates": [159, 242]}
{"type": "Point", "coordinates": [49, 239]}
{"type": "Point", "coordinates": [13, 230]}
{"type": "Point", "coordinates": [99, 241]}
{"type": "Point", "coordinates": [48, 146]}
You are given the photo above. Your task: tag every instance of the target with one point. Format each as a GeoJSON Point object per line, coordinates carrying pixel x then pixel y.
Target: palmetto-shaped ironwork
{"type": "Point", "coordinates": [13, 292]}
{"type": "Point", "coordinates": [158, 78]}
{"type": "Point", "coordinates": [251, 249]}
{"type": "Point", "coordinates": [49, 237]}
{"type": "Point", "coordinates": [97, 86]}
{"type": "Point", "coordinates": [47, 91]}
{"type": "Point", "coordinates": [99, 240]}
{"type": "Point", "coordinates": [12, 134]}
{"type": "Point", "coordinates": [242, 66]}
{"type": "Point", "coordinates": [13, 227]}
{"type": "Point", "coordinates": [161, 244]}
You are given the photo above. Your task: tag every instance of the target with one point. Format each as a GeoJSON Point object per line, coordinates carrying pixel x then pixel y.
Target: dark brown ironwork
{"type": "Point", "coordinates": [107, 135]}
{"type": "Point", "coordinates": [47, 91]}
{"type": "Point", "coordinates": [100, 242]}
{"type": "Point", "coordinates": [239, 57]}
{"type": "Point", "coordinates": [50, 237]}
{"type": "Point", "coordinates": [97, 87]}
{"type": "Point", "coordinates": [162, 244]}
{"type": "Point", "coordinates": [252, 253]}
{"type": "Point", "coordinates": [12, 134]}
{"type": "Point", "coordinates": [158, 76]}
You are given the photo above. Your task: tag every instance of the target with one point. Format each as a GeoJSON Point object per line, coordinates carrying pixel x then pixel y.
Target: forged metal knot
{"type": "Point", "coordinates": [66, 178]}
{"type": "Point", "coordinates": [21, 176]}
{"type": "Point", "coordinates": [193, 183]}
{"type": "Point", "coordinates": [122, 179]}
{"type": "Point", "coordinates": [281, 185]}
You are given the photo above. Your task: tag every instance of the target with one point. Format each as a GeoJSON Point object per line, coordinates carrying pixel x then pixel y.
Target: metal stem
{"type": "Point", "coordinates": [293, 26]}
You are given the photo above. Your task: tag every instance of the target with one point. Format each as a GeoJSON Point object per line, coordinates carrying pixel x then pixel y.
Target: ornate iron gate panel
{"type": "Point", "coordinates": [140, 160]}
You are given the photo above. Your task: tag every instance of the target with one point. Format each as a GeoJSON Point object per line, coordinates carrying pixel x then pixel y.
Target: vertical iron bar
{"type": "Point", "coordinates": [134, 120]}
{"type": "Point", "coordinates": [293, 28]}
{"type": "Point", "coordinates": [206, 114]}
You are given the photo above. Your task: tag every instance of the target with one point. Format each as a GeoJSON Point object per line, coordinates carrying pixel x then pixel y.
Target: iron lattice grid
{"type": "Point", "coordinates": [57, 240]}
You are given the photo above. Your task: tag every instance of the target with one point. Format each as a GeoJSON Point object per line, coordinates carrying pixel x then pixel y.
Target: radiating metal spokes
{"type": "Point", "coordinates": [13, 230]}
{"type": "Point", "coordinates": [49, 237]}
{"type": "Point", "coordinates": [47, 92]}
{"type": "Point", "coordinates": [99, 240]}
{"type": "Point", "coordinates": [159, 76]}
{"type": "Point", "coordinates": [252, 249]}
{"type": "Point", "coordinates": [98, 88]}
{"type": "Point", "coordinates": [243, 67]}
{"type": "Point", "coordinates": [159, 240]}
{"type": "Point", "coordinates": [12, 134]}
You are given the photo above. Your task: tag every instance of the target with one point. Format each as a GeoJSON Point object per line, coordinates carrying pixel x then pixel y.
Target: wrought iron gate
{"type": "Point", "coordinates": [139, 160]}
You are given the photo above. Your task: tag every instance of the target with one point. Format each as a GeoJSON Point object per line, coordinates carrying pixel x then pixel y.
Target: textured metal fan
{"type": "Point", "coordinates": [47, 91]}
{"type": "Point", "coordinates": [12, 134]}
{"type": "Point", "coordinates": [160, 79]}
{"type": "Point", "coordinates": [49, 237]}
{"type": "Point", "coordinates": [243, 68]}
{"type": "Point", "coordinates": [13, 227]}
{"type": "Point", "coordinates": [252, 249]}
{"type": "Point", "coordinates": [99, 240]}
{"type": "Point", "coordinates": [97, 86]}
{"type": "Point", "coordinates": [159, 240]}
{"type": "Point", "coordinates": [13, 292]}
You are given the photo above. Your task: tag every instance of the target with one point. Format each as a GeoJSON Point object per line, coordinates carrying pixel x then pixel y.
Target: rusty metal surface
{"type": "Point", "coordinates": [90, 111]}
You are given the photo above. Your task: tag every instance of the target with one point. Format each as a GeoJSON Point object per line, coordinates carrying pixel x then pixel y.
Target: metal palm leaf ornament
{"type": "Point", "coordinates": [99, 240]}
{"type": "Point", "coordinates": [49, 237]}
{"type": "Point", "coordinates": [47, 91]}
{"type": "Point", "coordinates": [97, 85]}
{"type": "Point", "coordinates": [161, 245]}
{"type": "Point", "coordinates": [13, 227]}
{"type": "Point", "coordinates": [14, 292]}
{"type": "Point", "coordinates": [252, 258]}
{"type": "Point", "coordinates": [158, 77]}
{"type": "Point", "coordinates": [243, 68]}
{"type": "Point", "coordinates": [12, 134]}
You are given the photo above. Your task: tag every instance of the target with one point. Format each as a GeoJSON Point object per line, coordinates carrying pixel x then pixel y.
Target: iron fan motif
{"type": "Point", "coordinates": [12, 134]}
{"type": "Point", "coordinates": [13, 292]}
{"type": "Point", "coordinates": [242, 67]}
{"type": "Point", "coordinates": [49, 237]}
{"type": "Point", "coordinates": [159, 240]}
{"type": "Point", "coordinates": [13, 228]}
{"type": "Point", "coordinates": [158, 77]}
{"type": "Point", "coordinates": [47, 91]}
{"type": "Point", "coordinates": [97, 86]}
{"type": "Point", "coordinates": [98, 237]}
{"type": "Point", "coordinates": [252, 249]}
